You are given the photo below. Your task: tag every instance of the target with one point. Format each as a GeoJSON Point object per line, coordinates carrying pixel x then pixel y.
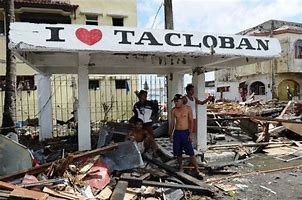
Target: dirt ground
{"type": "Point", "coordinates": [285, 184]}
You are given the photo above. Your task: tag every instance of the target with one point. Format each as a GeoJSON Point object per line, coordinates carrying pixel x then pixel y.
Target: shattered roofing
{"type": "Point", "coordinates": [289, 28]}
{"type": "Point", "coordinates": [276, 26]}
{"type": "Point", "coordinates": [49, 4]}
{"type": "Point", "coordinates": [282, 29]}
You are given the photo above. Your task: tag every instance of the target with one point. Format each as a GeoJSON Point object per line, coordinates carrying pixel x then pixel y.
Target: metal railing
{"type": "Point", "coordinates": [111, 99]}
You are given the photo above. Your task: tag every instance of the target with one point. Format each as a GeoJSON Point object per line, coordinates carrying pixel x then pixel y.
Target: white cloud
{"type": "Point", "coordinates": [147, 10]}
{"type": "Point", "coordinates": [222, 16]}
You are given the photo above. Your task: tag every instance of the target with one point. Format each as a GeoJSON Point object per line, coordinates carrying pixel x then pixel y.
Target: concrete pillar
{"type": "Point", "coordinates": [84, 135]}
{"type": "Point", "coordinates": [201, 115]}
{"type": "Point", "coordinates": [175, 86]}
{"type": "Point", "coordinates": [45, 106]}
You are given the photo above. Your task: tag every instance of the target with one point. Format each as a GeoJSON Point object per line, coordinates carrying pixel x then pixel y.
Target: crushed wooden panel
{"type": "Point", "coordinates": [19, 192]}
{"type": "Point", "coordinates": [294, 127]}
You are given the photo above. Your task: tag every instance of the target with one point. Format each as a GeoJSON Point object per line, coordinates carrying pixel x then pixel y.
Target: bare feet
{"type": "Point", "coordinates": [199, 175]}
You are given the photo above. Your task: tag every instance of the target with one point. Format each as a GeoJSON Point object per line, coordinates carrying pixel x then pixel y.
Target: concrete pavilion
{"type": "Point", "coordinates": [83, 50]}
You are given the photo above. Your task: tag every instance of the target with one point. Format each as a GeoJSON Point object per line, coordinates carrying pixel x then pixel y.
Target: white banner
{"type": "Point", "coordinates": [66, 37]}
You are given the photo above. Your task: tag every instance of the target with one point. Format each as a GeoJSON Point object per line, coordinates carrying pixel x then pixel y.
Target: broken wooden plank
{"type": "Point", "coordinates": [119, 190]}
{"type": "Point", "coordinates": [229, 128]}
{"type": "Point", "coordinates": [4, 194]}
{"type": "Point", "coordinates": [183, 176]}
{"type": "Point", "coordinates": [226, 119]}
{"type": "Point", "coordinates": [42, 183]}
{"type": "Point", "coordinates": [269, 119]}
{"type": "Point", "coordinates": [31, 171]}
{"type": "Point", "coordinates": [136, 182]}
{"type": "Point", "coordinates": [249, 127]}
{"type": "Point", "coordinates": [76, 156]}
{"type": "Point", "coordinates": [145, 176]}
{"type": "Point", "coordinates": [294, 127]}
{"type": "Point", "coordinates": [105, 193]}
{"type": "Point", "coordinates": [58, 194]}
{"type": "Point", "coordinates": [248, 144]}
{"type": "Point", "coordinates": [19, 192]}
{"type": "Point", "coordinates": [226, 187]}
{"type": "Point", "coordinates": [284, 110]}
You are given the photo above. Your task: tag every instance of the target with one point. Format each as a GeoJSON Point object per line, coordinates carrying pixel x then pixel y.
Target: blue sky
{"type": "Point", "coordinates": [218, 16]}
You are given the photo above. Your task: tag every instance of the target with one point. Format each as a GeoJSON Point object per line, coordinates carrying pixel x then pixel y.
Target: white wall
{"type": "Point", "coordinates": [233, 93]}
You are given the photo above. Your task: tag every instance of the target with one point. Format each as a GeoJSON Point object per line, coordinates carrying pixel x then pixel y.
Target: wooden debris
{"type": "Point", "coordinates": [75, 156]}
{"type": "Point", "coordinates": [59, 194]}
{"type": "Point", "coordinates": [42, 183]}
{"type": "Point", "coordinates": [136, 182]}
{"type": "Point", "coordinates": [290, 157]}
{"type": "Point", "coordinates": [229, 128]}
{"type": "Point", "coordinates": [145, 176]}
{"type": "Point", "coordinates": [105, 193]}
{"type": "Point", "coordinates": [18, 192]}
{"type": "Point", "coordinates": [274, 120]}
{"type": "Point", "coordinates": [185, 177]}
{"type": "Point", "coordinates": [32, 171]}
{"type": "Point", "coordinates": [272, 151]}
{"type": "Point", "coordinates": [119, 190]}
{"type": "Point", "coordinates": [249, 127]}
{"type": "Point", "coordinates": [225, 187]}
{"type": "Point", "coordinates": [247, 144]}
{"type": "Point", "coordinates": [284, 110]}
{"type": "Point", "coordinates": [294, 127]}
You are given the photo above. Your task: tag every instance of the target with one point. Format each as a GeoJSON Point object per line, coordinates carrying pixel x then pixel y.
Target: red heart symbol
{"type": "Point", "coordinates": [89, 37]}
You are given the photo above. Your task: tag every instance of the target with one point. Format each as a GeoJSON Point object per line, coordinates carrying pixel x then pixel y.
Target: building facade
{"type": "Point", "coordinates": [280, 78]}
{"type": "Point", "coordinates": [111, 96]}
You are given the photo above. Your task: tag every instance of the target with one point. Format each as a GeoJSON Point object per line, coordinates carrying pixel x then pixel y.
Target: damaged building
{"type": "Point", "coordinates": [279, 78]}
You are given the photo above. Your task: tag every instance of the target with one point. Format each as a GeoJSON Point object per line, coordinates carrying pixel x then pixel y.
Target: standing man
{"type": "Point", "coordinates": [145, 110]}
{"type": "Point", "coordinates": [192, 101]}
{"type": "Point", "coordinates": [181, 127]}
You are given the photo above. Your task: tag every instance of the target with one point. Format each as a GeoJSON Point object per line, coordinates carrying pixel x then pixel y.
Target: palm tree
{"type": "Point", "coordinates": [8, 120]}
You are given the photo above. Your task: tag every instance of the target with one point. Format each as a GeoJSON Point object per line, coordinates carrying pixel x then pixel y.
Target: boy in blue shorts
{"type": "Point", "coordinates": [181, 127]}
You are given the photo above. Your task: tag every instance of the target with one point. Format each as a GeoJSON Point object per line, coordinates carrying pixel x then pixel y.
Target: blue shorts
{"type": "Point", "coordinates": [181, 142]}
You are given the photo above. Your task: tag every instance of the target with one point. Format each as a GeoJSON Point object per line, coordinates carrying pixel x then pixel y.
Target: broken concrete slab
{"type": "Point", "coordinates": [219, 158]}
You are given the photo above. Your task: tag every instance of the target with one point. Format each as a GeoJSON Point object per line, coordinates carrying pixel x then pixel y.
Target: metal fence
{"type": "Point", "coordinates": [111, 99]}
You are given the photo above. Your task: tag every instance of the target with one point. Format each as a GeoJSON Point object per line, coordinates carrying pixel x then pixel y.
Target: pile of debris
{"type": "Point", "coordinates": [118, 170]}
{"type": "Point", "coordinates": [115, 171]}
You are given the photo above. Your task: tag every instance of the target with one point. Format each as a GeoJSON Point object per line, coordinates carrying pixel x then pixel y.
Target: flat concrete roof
{"type": "Point", "coordinates": [62, 48]}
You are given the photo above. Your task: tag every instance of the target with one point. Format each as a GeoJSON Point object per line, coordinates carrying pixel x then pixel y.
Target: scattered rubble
{"type": "Point", "coordinates": [243, 138]}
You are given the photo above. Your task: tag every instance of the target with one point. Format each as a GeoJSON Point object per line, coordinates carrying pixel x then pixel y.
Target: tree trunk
{"type": "Point", "coordinates": [8, 120]}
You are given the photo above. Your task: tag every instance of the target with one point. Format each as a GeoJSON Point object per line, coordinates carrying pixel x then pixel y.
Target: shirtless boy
{"type": "Point", "coordinates": [181, 132]}
{"type": "Point", "coordinates": [139, 134]}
